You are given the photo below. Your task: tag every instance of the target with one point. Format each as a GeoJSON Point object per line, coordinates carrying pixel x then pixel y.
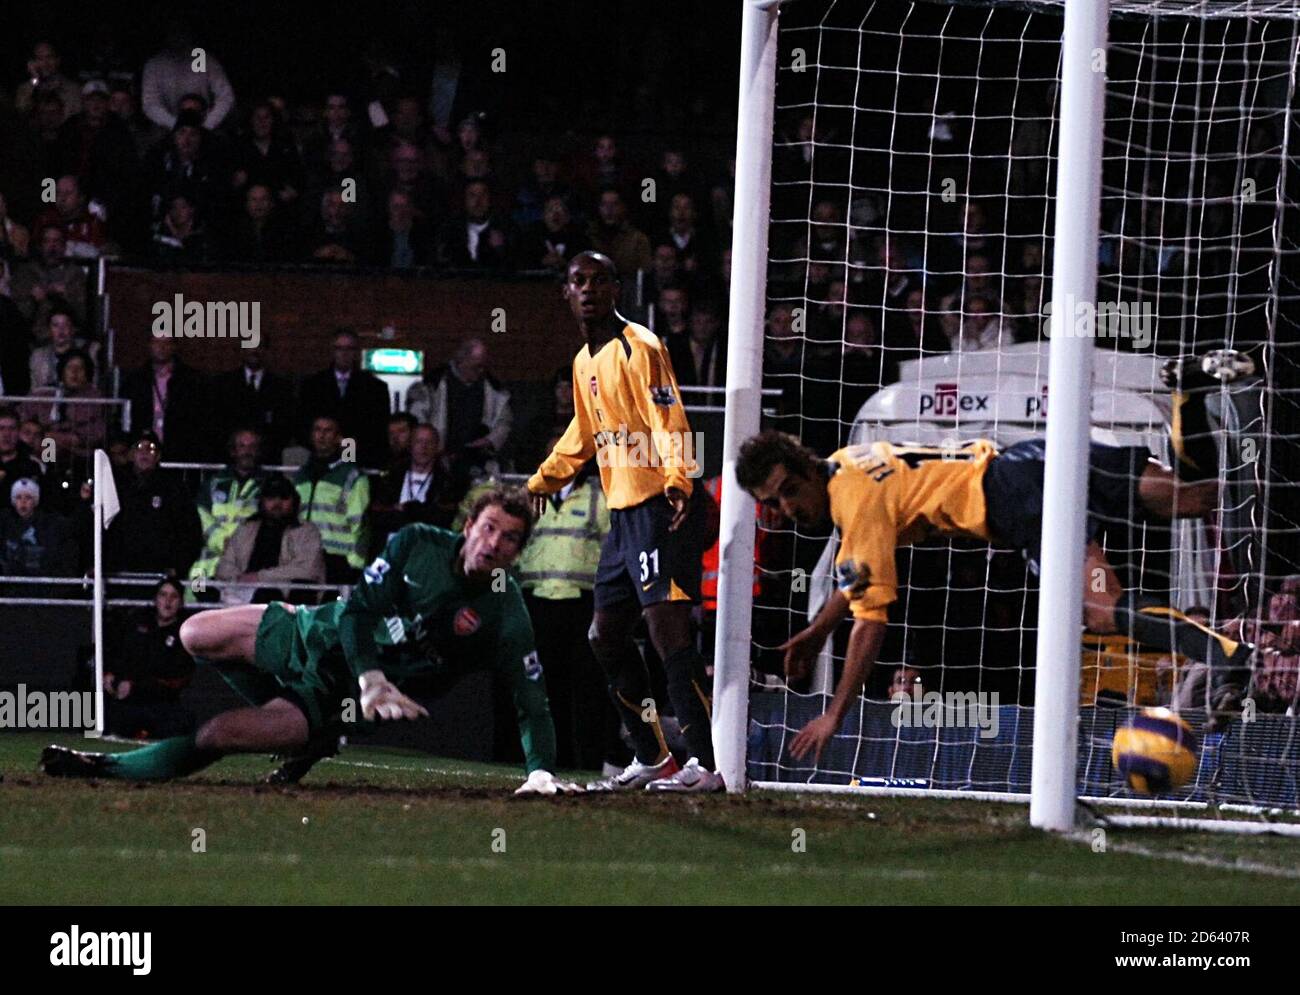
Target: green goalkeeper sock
{"type": "Point", "coordinates": [168, 758]}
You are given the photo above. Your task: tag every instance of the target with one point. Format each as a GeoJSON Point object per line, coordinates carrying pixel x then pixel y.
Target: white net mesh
{"type": "Point", "coordinates": [910, 264]}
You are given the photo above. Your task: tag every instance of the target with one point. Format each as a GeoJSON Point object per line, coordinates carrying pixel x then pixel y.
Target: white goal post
{"type": "Point", "coordinates": [1231, 89]}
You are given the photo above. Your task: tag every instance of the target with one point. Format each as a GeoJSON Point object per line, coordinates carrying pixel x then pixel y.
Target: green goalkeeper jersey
{"type": "Point", "coordinates": [420, 620]}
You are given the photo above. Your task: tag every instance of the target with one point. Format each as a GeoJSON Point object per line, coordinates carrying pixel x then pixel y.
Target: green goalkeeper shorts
{"type": "Point", "coordinates": [299, 659]}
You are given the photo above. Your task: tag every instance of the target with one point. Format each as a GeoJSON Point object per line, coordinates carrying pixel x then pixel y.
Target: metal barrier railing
{"type": "Point", "coordinates": [52, 399]}
{"type": "Point", "coordinates": [86, 583]}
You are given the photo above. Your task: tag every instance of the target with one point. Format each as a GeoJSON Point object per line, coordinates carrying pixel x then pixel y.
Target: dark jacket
{"type": "Point", "coordinates": [362, 413]}
{"type": "Point", "coordinates": [269, 409]}
{"type": "Point", "coordinates": [186, 416]}
{"type": "Point", "coordinates": [151, 657]}
{"type": "Point", "coordinates": [41, 546]}
{"type": "Point", "coordinates": [20, 465]}
{"type": "Point", "coordinates": [157, 529]}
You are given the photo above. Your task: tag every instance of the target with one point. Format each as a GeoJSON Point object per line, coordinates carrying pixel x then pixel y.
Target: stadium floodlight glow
{"type": "Point", "coordinates": [889, 126]}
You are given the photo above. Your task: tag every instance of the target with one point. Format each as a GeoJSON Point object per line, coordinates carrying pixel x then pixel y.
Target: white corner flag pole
{"type": "Point", "coordinates": [1065, 485]}
{"type": "Point", "coordinates": [105, 510]}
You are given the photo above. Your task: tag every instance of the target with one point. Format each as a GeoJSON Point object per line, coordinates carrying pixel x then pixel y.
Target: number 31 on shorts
{"type": "Point", "coordinates": [649, 564]}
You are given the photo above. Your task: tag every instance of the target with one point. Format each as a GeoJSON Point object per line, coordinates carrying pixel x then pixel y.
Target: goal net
{"type": "Point", "coordinates": [908, 291]}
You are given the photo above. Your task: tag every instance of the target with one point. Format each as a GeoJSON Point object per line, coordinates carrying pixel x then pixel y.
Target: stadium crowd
{"type": "Point", "coordinates": [154, 162]}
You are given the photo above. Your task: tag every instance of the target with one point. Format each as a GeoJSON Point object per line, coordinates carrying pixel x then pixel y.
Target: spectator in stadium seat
{"type": "Point", "coordinates": [179, 236]}
{"type": "Point", "coordinates": [17, 458]}
{"type": "Point", "coordinates": [145, 670]}
{"type": "Point", "coordinates": [469, 408]}
{"type": "Point", "coordinates": [916, 332]}
{"type": "Point", "coordinates": [266, 156]}
{"type": "Point", "coordinates": [272, 545]}
{"type": "Point", "coordinates": [665, 270]}
{"type": "Point", "coordinates": [15, 339]}
{"type": "Point", "coordinates": [264, 232]}
{"type": "Point", "coordinates": [157, 529]}
{"type": "Point", "coordinates": [408, 173]}
{"type": "Point", "coordinates": [830, 243]}
{"type": "Point", "coordinates": [254, 397]}
{"type": "Point", "coordinates": [610, 233]}
{"type": "Point", "coordinates": [414, 489]}
{"type": "Point", "coordinates": [49, 280]}
{"type": "Point", "coordinates": [604, 169]}
{"type": "Point", "coordinates": [335, 495]}
{"type": "Point", "coordinates": [551, 242]}
{"type": "Point", "coordinates": [783, 365]}
{"type": "Point", "coordinates": [530, 446]}
{"type": "Point", "coordinates": [357, 399]}
{"type": "Point", "coordinates": [672, 178]}
{"type": "Point", "coordinates": [144, 133]}
{"type": "Point", "coordinates": [700, 356]}
{"type": "Point", "coordinates": [14, 238]}
{"type": "Point", "coordinates": [102, 155]}
{"type": "Point", "coordinates": [673, 312]}
{"type": "Point", "coordinates": [695, 251]}
{"type": "Point", "coordinates": [62, 338]}
{"type": "Point", "coordinates": [34, 542]}
{"type": "Point", "coordinates": [45, 75]}
{"type": "Point", "coordinates": [981, 328]}
{"type": "Point", "coordinates": [335, 124]}
{"type": "Point", "coordinates": [226, 500]}
{"type": "Point", "coordinates": [406, 240]}
{"type": "Point", "coordinates": [476, 240]}
{"type": "Point", "coordinates": [401, 424]}
{"type": "Point", "coordinates": [77, 429]}
{"type": "Point", "coordinates": [85, 235]}
{"type": "Point", "coordinates": [337, 234]}
{"type": "Point", "coordinates": [340, 168]}
{"type": "Point", "coordinates": [542, 185]}
{"type": "Point", "coordinates": [557, 571]}
{"type": "Point", "coordinates": [169, 399]}
{"type": "Point", "coordinates": [170, 75]}
{"type": "Point", "coordinates": [188, 159]}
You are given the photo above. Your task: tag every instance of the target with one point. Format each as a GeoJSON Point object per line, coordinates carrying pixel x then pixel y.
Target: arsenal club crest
{"type": "Point", "coordinates": [593, 386]}
{"type": "Point", "coordinates": [466, 622]}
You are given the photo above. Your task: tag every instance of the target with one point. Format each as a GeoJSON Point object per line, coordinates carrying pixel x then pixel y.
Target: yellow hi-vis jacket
{"type": "Point", "coordinates": [560, 559]}
{"type": "Point", "coordinates": [336, 504]}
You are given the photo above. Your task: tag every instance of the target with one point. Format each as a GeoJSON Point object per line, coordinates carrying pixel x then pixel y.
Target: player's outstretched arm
{"type": "Point", "coordinates": [576, 446]}
{"type": "Point", "coordinates": [802, 648]}
{"type": "Point", "coordinates": [864, 646]}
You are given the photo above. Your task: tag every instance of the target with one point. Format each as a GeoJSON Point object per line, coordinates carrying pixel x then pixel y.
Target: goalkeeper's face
{"type": "Point", "coordinates": [493, 541]}
{"type": "Point", "coordinates": [797, 497]}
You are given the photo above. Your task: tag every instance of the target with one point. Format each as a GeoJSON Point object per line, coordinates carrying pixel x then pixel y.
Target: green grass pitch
{"type": "Point", "coordinates": [385, 826]}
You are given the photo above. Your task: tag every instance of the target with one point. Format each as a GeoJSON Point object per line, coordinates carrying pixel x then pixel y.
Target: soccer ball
{"type": "Point", "coordinates": [1156, 752]}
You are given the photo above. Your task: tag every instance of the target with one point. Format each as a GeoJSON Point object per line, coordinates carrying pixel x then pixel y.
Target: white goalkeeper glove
{"type": "Point", "coordinates": [380, 699]}
{"type": "Point", "coordinates": [543, 782]}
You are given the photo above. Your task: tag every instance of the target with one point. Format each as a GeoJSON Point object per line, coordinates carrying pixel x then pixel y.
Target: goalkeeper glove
{"type": "Point", "coordinates": [543, 782]}
{"type": "Point", "coordinates": [380, 699]}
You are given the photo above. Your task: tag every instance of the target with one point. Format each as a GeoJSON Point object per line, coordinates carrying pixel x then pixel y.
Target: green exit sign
{"type": "Point", "coordinates": [393, 361]}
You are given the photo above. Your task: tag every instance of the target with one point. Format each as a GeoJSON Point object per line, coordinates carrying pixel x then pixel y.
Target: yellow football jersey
{"type": "Point", "coordinates": [627, 412]}
{"type": "Point", "coordinates": [885, 496]}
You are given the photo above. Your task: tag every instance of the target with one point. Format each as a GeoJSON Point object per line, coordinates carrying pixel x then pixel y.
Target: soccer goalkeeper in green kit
{"type": "Point", "coordinates": [432, 608]}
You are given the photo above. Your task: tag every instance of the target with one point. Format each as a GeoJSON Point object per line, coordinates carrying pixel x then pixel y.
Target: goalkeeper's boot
{"type": "Point", "coordinates": [1218, 366]}
{"type": "Point", "coordinates": [636, 775]}
{"type": "Point", "coordinates": [691, 778]}
{"type": "Point", "coordinates": [294, 768]}
{"type": "Point", "coordinates": [59, 761]}
{"type": "Point", "coordinates": [1194, 447]}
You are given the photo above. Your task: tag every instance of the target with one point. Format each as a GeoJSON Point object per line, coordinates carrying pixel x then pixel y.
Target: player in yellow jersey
{"type": "Point", "coordinates": [628, 416]}
{"type": "Point", "coordinates": [881, 496]}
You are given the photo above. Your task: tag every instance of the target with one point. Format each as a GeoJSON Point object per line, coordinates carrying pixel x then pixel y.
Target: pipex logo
{"type": "Point", "coordinates": [101, 949]}
{"type": "Point", "coordinates": [947, 400]}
